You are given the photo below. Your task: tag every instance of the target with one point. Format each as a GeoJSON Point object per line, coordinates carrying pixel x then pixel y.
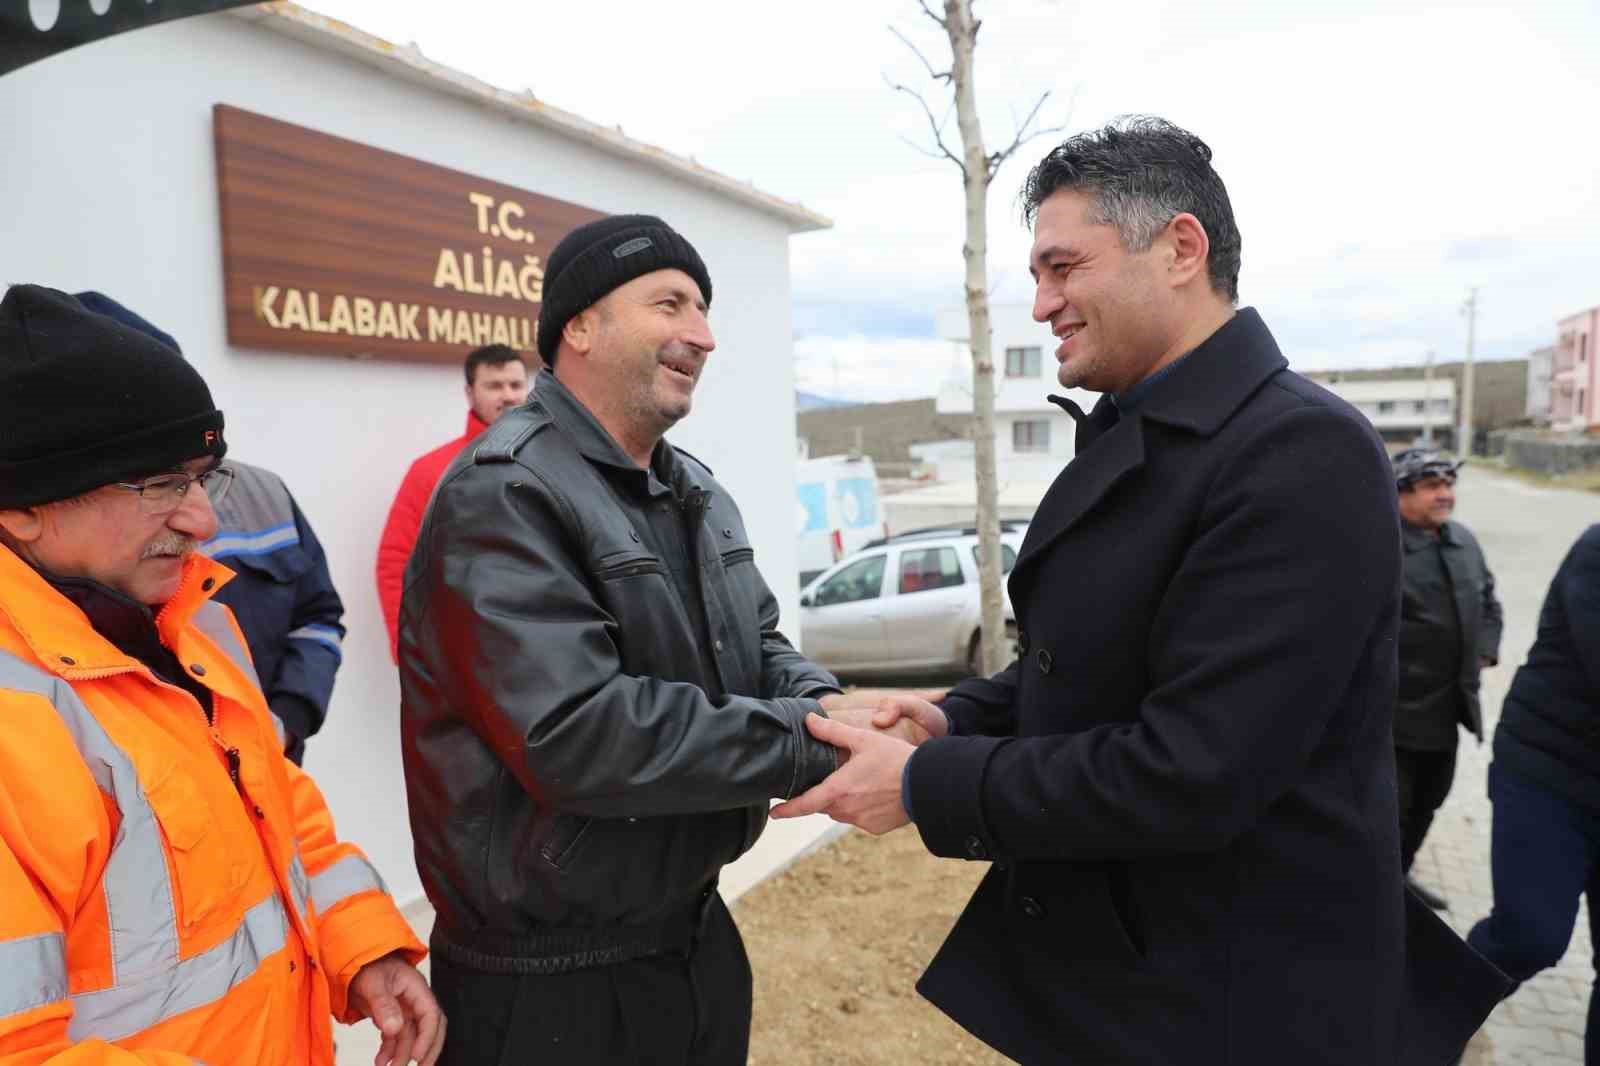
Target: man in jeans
{"type": "Point", "coordinates": [1545, 785]}
{"type": "Point", "coordinates": [1450, 623]}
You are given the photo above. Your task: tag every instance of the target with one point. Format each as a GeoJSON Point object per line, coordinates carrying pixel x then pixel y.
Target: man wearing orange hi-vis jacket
{"type": "Point", "coordinates": [171, 888]}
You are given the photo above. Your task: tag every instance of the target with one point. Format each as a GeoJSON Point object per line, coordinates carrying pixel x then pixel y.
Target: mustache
{"type": "Point", "coordinates": [682, 353]}
{"type": "Point", "coordinates": [174, 544]}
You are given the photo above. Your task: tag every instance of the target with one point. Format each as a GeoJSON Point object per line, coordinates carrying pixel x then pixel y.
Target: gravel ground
{"type": "Point", "coordinates": [837, 942]}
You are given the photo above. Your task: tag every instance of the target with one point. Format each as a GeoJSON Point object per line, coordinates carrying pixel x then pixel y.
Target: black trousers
{"type": "Point", "coordinates": [1425, 778]}
{"type": "Point", "coordinates": [681, 1009]}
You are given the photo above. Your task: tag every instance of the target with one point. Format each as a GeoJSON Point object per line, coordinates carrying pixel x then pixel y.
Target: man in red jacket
{"type": "Point", "coordinates": [497, 380]}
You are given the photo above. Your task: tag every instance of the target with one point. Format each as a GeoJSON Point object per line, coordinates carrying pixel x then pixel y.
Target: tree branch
{"type": "Point", "coordinates": [1024, 134]}
{"type": "Point", "coordinates": [936, 75]}
{"type": "Point", "coordinates": [933, 124]}
{"type": "Point", "coordinates": [926, 10]}
{"type": "Point", "coordinates": [909, 143]}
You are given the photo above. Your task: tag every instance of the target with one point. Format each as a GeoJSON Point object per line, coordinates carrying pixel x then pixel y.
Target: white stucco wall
{"type": "Point", "coordinates": [110, 181]}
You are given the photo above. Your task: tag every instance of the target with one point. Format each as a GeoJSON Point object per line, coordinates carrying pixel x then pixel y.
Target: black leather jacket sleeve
{"type": "Point", "coordinates": [520, 637]}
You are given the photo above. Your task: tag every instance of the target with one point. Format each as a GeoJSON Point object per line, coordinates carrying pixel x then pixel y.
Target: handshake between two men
{"type": "Point", "coordinates": [875, 731]}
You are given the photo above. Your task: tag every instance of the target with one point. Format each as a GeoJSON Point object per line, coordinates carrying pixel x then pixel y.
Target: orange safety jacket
{"type": "Point", "coordinates": [171, 891]}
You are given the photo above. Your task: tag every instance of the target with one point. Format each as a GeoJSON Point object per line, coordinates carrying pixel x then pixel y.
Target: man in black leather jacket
{"type": "Point", "coordinates": [1450, 622]}
{"type": "Point", "coordinates": [597, 704]}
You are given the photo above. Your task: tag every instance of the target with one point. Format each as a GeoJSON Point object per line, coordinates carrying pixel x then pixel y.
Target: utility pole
{"type": "Point", "coordinates": [1427, 401]}
{"type": "Point", "coordinates": [1464, 434]}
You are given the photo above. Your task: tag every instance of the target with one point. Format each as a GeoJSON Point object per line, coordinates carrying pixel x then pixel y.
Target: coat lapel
{"type": "Point", "coordinates": [1117, 452]}
{"type": "Point", "coordinates": [1199, 396]}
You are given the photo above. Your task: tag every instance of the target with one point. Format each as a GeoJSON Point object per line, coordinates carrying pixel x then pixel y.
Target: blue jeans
{"type": "Point", "coordinates": [1544, 854]}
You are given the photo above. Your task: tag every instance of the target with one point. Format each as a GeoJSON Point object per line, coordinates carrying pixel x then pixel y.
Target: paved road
{"type": "Point", "coordinates": [1525, 531]}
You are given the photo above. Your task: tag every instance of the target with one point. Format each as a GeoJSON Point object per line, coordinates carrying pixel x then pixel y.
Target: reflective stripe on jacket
{"type": "Point", "coordinates": [282, 596]}
{"type": "Point", "coordinates": [173, 890]}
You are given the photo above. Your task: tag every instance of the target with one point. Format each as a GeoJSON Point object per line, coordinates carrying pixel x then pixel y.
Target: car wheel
{"type": "Point", "coordinates": [975, 650]}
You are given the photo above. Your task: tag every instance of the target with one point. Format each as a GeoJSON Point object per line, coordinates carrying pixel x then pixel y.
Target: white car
{"type": "Point", "coordinates": [907, 604]}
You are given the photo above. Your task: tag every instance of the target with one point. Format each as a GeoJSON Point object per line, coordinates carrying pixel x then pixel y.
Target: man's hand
{"type": "Point", "coordinates": [870, 698]}
{"type": "Point", "coordinates": [865, 790]}
{"type": "Point", "coordinates": [907, 728]}
{"type": "Point", "coordinates": [396, 997]}
{"type": "Point", "coordinates": [896, 708]}
{"type": "Point", "coordinates": [903, 713]}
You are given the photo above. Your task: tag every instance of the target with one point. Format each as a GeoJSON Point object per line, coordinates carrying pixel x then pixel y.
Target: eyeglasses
{"type": "Point", "coordinates": [164, 494]}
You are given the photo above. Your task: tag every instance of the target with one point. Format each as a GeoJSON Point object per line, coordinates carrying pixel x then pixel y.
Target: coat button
{"type": "Point", "coordinates": [1022, 641]}
{"type": "Point", "coordinates": [67, 660]}
{"type": "Point", "coordinates": [975, 848]}
{"type": "Point", "coordinates": [208, 584]}
{"type": "Point", "coordinates": [718, 645]}
{"type": "Point", "coordinates": [727, 531]}
{"type": "Point", "coordinates": [197, 670]}
{"type": "Point", "coordinates": [1031, 907]}
{"type": "Point", "coordinates": [1045, 661]}
{"type": "Point", "coordinates": [634, 534]}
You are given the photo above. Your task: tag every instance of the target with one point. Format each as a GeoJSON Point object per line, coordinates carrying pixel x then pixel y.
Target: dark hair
{"type": "Point", "coordinates": [491, 355]}
{"type": "Point", "coordinates": [1140, 173]}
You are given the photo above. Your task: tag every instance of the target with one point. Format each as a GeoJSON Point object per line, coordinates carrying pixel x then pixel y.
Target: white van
{"type": "Point", "coordinates": [836, 510]}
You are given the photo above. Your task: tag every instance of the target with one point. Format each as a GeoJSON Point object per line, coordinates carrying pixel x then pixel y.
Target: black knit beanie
{"type": "Point", "coordinates": [86, 400]}
{"type": "Point", "coordinates": [601, 255]}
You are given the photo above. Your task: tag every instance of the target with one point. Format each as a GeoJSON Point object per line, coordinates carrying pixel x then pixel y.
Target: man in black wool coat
{"type": "Point", "coordinates": [1186, 782]}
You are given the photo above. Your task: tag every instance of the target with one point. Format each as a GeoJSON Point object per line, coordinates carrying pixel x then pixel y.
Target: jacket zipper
{"type": "Point", "coordinates": [694, 506]}
{"type": "Point", "coordinates": [696, 502]}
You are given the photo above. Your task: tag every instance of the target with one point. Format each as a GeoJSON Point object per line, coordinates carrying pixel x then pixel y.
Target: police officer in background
{"type": "Point", "coordinates": [1450, 625]}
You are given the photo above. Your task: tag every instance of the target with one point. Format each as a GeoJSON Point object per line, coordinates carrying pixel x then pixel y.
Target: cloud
{"type": "Point", "coordinates": [1476, 249]}
{"type": "Point", "coordinates": [873, 369]}
{"type": "Point", "coordinates": [1382, 157]}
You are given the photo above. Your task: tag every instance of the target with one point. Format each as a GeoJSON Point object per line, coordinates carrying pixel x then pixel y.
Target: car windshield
{"type": "Point", "coordinates": [861, 580]}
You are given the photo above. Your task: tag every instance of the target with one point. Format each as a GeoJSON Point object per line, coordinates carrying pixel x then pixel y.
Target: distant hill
{"type": "Point", "coordinates": [884, 431]}
{"type": "Point", "coordinates": [810, 401]}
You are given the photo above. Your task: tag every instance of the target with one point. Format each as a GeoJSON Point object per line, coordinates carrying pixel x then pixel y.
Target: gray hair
{"type": "Point", "coordinates": [1140, 173]}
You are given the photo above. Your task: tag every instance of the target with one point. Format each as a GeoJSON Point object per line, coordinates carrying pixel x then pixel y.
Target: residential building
{"type": "Point", "coordinates": [1402, 409]}
{"type": "Point", "coordinates": [1033, 437]}
{"type": "Point", "coordinates": [1573, 377]}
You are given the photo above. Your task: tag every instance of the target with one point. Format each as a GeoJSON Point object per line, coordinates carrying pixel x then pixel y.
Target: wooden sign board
{"type": "Point", "coordinates": [335, 247]}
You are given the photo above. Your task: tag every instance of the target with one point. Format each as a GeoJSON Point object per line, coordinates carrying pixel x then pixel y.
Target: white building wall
{"type": "Point", "coordinates": [110, 175]}
{"type": "Point", "coordinates": [1540, 366]}
{"type": "Point", "coordinates": [1402, 405]}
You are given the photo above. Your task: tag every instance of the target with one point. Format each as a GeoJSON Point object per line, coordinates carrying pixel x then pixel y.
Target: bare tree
{"type": "Point", "coordinates": [978, 169]}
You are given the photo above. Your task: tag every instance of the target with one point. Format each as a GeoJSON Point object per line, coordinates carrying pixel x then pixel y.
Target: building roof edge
{"type": "Point", "coordinates": [408, 63]}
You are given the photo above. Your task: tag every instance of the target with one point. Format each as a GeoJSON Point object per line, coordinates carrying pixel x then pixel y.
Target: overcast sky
{"type": "Point", "coordinates": [1382, 157]}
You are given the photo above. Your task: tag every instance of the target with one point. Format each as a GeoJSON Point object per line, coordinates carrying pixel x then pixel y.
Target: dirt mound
{"type": "Point", "coordinates": [837, 942]}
